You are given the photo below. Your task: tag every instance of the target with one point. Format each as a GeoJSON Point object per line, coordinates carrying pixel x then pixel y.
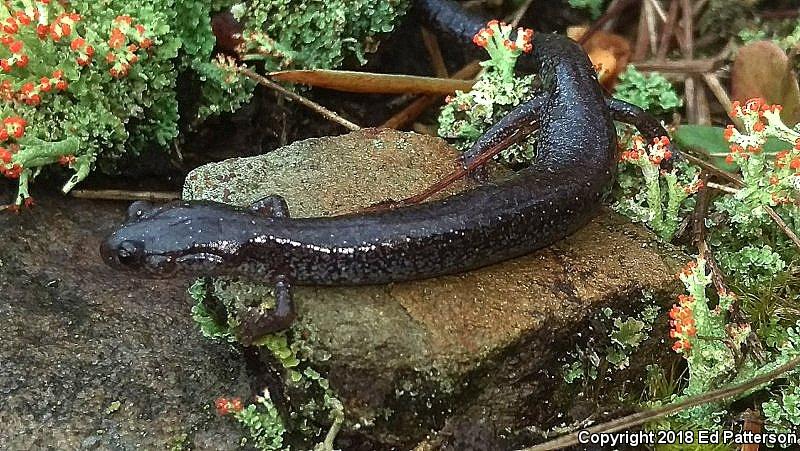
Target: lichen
{"type": "Point", "coordinates": [316, 402]}
{"type": "Point", "coordinates": [468, 115]}
{"type": "Point", "coordinates": [625, 337]}
{"type": "Point", "coordinates": [318, 34]}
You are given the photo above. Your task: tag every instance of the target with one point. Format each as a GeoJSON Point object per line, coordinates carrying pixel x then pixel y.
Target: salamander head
{"type": "Point", "coordinates": [177, 238]}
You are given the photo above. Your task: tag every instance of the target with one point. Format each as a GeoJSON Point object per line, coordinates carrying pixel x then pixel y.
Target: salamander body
{"type": "Point", "coordinates": [557, 195]}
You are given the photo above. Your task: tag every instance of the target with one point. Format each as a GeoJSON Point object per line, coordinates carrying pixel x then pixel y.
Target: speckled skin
{"type": "Point", "coordinates": [488, 224]}
{"type": "Point", "coordinates": [544, 203]}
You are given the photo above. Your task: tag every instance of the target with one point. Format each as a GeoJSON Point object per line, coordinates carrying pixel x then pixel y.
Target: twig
{"type": "Point", "coordinates": [701, 209]}
{"type": "Point", "coordinates": [520, 12]}
{"type": "Point", "coordinates": [447, 180]}
{"type": "Point", "coordinates": [658, 10]}
{"type": "Point", "coordinates": [782, 225]}
{"type": "Point", "coordinates": [640, 50]}
{"type": "Point", "coordinates": [738, 182]}
{"type": "Point", "coordinates": [784, 14]}
{"type": "Point", "coordinates": [690, 93]}
{"type": "Point", "coordinates": [116, 194]}
{"type": "Point", "coordinates": [712, 81]}
{"type": "Point", "coordinates": [650, 13]}
{"type": "Point", "coordinates": [688, 28]}
{"type": "Point", "coordinates": [697, 66]}
{"type": "Point", "coordinates": [698, 7]}
{"type": "Point", "coordinates": [469, 71]}
{"type": "Point", "coordinates": [703, 110]}
{"type": "Point", "coordinates": [418, 106]}
{"type": "Point", "coordinates": [613, 11]}
{"type": "Point", "coordinates": [724, 188]}
{"type": "Point", "coordinates": [326, 113]}
{"type": "Point", "coordinates": [708, 167]}
{"type": "Point", "coordinates": [667, 31]}
{"type": "Point", "coordinates": [609, 24]}
{"type": "Point", "coordinates": [462, 172]}
{"type": "Point", "coordinates": [640, 418]}
{"type": "Point", "coordinates": [699, 228]}
{"type": "Point", "coordinates": [434, 53]}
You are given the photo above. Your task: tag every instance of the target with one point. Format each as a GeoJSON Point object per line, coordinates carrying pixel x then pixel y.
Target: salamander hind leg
{"type": "Point", "coordinates": [256, 323]}
{"type": "Point", "coordinates": [272, 206]}
{"type": "Point", "coordinates": [514, 127]}
{"type": "Point", "coordinates": [631, 114]}
{"type": "Point", "coordinates": [645, 123]}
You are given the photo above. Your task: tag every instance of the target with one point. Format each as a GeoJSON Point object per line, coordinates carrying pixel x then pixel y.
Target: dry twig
{"type": "Point", "coordinates": [326, 113]}
{"type": "Point", "coordinates": [117, 194]}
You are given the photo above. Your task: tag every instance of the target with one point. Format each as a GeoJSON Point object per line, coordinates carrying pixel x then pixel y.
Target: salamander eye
{"type": "Point", "coordinates": [127, 252]}
{"type": "Point", "coordinates": [138, 209]}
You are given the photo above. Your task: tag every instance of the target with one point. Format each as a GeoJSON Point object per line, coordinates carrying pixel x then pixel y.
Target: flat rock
{"type": "Point", "coordinates": [93, 359]}
{"type": "Point", "coordinates": [411, 358]}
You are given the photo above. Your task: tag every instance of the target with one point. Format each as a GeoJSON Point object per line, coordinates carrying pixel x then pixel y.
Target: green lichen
{"type": "Point", "coordinates": [653, 92]}
{"type": "Point", "coordinates": [316, 402]}
{"type": "Point", "coordinates": [314, 34]}
{"type": "Point", "coordinates": [663, 202]}
{"type": "Point", "coordinates": [264, 424]}
{"type": "Point", "coordinates": [111, 110]}
{"type": "Point", "coordinates": [713, 347]}
{"type": "Point", "coordinates": [604, 356]}
{"type": "Point", "coordinates": [468, 115]}
{"type": "Point", "coordinates": [595, 7]}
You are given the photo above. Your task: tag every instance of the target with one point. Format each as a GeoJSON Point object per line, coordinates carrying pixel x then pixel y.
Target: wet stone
{"type": "Point", "coordinates": [468, 355]}
{"type": "Point", "coordinates": [91, 358]}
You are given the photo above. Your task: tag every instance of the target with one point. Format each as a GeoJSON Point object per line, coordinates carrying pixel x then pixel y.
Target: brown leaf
{"type": "Point", "coordinates": [349, 81]}
{"type": "Point", "coordinates": [609, 52]}
{"type": "Point", "coordinates": [762, 69]}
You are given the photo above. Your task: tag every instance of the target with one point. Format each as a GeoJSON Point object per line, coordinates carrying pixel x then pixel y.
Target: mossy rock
{"type": "Point", "coordinates": [409, 358]}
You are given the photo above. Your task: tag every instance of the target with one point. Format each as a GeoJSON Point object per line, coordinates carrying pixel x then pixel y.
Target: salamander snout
{"type": "Point", "coordinates": [125, 254]}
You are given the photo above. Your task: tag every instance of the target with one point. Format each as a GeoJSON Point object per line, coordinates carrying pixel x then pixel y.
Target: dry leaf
{"type": "Point", "coordinates": [762, 69]}
{"type": "Point", "coordinates": [368, 82]}
{"type": "Point", "coordinates": [609, 52]}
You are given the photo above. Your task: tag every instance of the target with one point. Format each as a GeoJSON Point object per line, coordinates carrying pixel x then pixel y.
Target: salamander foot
{"type": "Point", "coordinates": [257, 323]}
{"type": "Point", "coordinates": [272, 206]}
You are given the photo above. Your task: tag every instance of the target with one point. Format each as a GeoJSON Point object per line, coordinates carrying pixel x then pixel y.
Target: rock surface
{"type": "Point", "coordinates": [467, 355]}
{"type": "Point", "coordinates": [92, 359]}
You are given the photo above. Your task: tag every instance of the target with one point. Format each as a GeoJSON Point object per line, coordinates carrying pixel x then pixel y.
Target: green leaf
{"type": "Point", "coordinates": [710, 142]}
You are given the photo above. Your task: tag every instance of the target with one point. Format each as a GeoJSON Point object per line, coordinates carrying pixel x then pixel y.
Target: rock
{"type": "Point", "coordinates": [93, 359]}
{"type": "Point", "coordinates": [468, 355]}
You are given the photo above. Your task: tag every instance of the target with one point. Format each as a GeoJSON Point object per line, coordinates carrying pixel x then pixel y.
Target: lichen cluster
{"type": "Point", "coordinates": [93, 81]}
{"type": "Point", "coordinates": [314, 34]}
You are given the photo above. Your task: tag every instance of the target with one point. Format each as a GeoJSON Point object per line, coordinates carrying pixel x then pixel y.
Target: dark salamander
{"type": "Point", "coordinates": [553, 198]}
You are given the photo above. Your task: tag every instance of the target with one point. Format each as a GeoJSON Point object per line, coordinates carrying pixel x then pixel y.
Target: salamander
{"type": "Point", "coordinates": [557, 195]}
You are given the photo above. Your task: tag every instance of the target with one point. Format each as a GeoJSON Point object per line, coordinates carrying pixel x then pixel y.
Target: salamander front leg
{"type": "Point", "coordinates": [256, 323]}
{"type": "Point", "coordinates": [272, 206]}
